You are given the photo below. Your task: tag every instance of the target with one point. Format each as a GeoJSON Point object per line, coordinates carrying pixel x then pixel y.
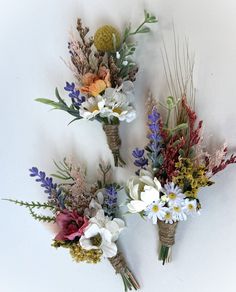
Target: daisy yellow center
{"type": "Point", "coordinates": [167, 216]}
{"type": "Point", "coordinates": [117, 110]}
{"type": "Point", "coordinates": [94, 108]}
{"type": "Point", "coordinates": [172, 196]}
{"type": "Point", "coordinates": [155, 208]}
{"type": "Point", "coordinates": [190, 206]}
{"type": "Point", "coordinates": [176, 209]}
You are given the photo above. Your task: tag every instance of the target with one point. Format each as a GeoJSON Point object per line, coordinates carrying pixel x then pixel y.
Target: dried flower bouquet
{"type": "Point", "coordinates": [174, 165]}
{"type": "Point", "coordinates": [84, 215]}
{"type": "Point", "coordinates": [104, 72]}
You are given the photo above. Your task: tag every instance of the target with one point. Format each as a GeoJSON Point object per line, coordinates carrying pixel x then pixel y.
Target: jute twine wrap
{"type": "Point", "coordinates": [167, 233]}
{"type": "Point", "coordinates": [114, 142]}
{"type": "Point", "coordinates": [119, 264]}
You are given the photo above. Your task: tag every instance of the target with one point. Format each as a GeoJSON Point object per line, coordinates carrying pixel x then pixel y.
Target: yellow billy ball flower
{"type": "Point", "coordinates": [106, 37]}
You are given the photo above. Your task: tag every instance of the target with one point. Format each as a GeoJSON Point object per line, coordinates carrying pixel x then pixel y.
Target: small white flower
{"type": "Point", "coordinates": [173, 193]}
{"type": "Point", "coordinates": [92, 107]}
{"type": "Point", "coordinates": [125, 63]}
{"type": "Point", "coordinates": [168, 217]}
{"type": "Point", "coordinates": [143, 190]}
{"type": "Point", "coordinates": [101, 233]}
{"type": "Point", "coordinates": [98, 238]}
{"type": "Point", "coordinates": [117, 55]}
{"type": "Point", "coordinates": [115, 226]}
{"type": "Point", "coordinates": [178, 213]}
{"type": "Point", "coordinates": [190, 207]}
{"type": "Point", "coordinates": [117, 103]}
{"type": "Point", "coordinates": [156, 210]}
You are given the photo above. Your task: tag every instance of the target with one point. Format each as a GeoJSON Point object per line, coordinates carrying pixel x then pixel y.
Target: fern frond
{"type": "Point", "coordinates": [40, 217]}
{"type": "Point", "coordinates": [32, 204]}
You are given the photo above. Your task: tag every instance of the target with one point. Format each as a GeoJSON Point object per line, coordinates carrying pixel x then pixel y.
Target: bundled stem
{"type": "Point", "coordinates": [167, 240]}
{"type": "Point", "coordinates": [114, 142]}
{"type": "Point", "coordinates": [119, 264]}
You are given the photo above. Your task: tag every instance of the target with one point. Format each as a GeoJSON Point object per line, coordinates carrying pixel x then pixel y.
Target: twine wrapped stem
{"type": "Point", "coordinates": [114, 142]}
{"type": "Point", "coordinates": [167, 240]}
{"type": "Point", "coordinates": [120, 266]}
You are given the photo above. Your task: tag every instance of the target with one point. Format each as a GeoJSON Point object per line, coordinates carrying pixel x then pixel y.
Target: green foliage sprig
{"type": "Point", "coordinates": [61, 105]}
{"type": "Point", "coordinates": [36, 205]}
{"type": "Point", "coordinates": [124, 62]}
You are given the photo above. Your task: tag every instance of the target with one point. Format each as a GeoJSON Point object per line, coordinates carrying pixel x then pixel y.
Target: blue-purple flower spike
{"type": "Point", "coordinates": [110, 200]}
{"type": "Point", "coordinates": [77, 98]}
{"type": "Point", "coordinates": [154, 146]}
{"type": "Point", "coordinates": [141, 161]}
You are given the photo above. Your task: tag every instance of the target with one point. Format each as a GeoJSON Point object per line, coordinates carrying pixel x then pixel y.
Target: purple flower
{"type": "Point", "coordinates": [155, 139]}
{"type": "Point", "coordinates": [46, 182]}
{"type": "Point", "coordinates": [74, 94]}
{"type": "Point", "coordinates": [142, 162]}
{"type": "Point", "coordinates": [69, 87]}
{"type": "Point", "coordinates": [154, 116]}
{"type": "Point", "coordinates": [110, 200]}
{"type": "Point", "coordinates": [54, 194]}
{"type": "Point", "coordinates": [138, 153]}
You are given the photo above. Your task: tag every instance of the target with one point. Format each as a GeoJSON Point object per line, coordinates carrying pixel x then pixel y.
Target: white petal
{"type": "Point", "coordinates": [100, 198]}
{"type": "Point", "coordinates": [91, 230]}
{"type": "Point", "coordinates": [136, 206]}
{"type": "Point", "coordinates": [101, 104]}
{"type": "Point", "coordinates": [109, 249]}
{"type": "Point", "coordinates": [144, 172]}
{"type": "Point", "coordinates": [134, 194]}
{"type": "Point", "coordinates": [158, 184]}
{"type": "Point", "coordinates": [120, 222]}
{"type": "Point", "coordinates": [86, 243]}
{"type": "Point", "coordinates": [149, 195]}
{"type": "Point", "coordinates": [106, 234]}
{"type": "Point", "coordinates": [147, 180]}
{"type": "Point", "coordinates": [94, 204]}
{"type": "Point", "coordinates": [127, 86]}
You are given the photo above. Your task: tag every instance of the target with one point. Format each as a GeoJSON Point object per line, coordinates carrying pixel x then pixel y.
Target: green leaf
{"type": "Point", "coordinates": [75, 119]}
{"type": "Point", "coordinates": [144, 29]}
{"type": "Point", "coordinates": [181, 152]}
{"type": "Point", "coordinates": [180, 127]}
{"type": "Point", "coordinates": [58, 97]}
{"type": "Point", "coordinates": [47, 101]}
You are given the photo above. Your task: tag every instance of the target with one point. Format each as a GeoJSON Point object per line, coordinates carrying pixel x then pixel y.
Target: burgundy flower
{"type": "Point", "coordinates": [71, 225]}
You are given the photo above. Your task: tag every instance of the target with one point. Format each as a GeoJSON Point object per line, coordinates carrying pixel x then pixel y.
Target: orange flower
{"type": "Point", "coordinates": [95, 88]}
{"type": "Point", "coordinates": [94, 84]}
{"type": "Point", "coordinates": [89, 78]}
{"type": "Point", "coordinates": [104, 74]}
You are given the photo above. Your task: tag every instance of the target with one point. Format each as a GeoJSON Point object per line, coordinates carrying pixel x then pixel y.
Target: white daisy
{"type": "Point", "coordinates": [118, 103]}
{"type": "Point", "coordinates": [174, 193]}
{"type": "Point", "coordinates": [190, 207]}
{"type": "Point", "coordinates": [155, 211]}
{"type": "Point", "coordinates": [178, 213]}
{"type": "Point", "coordinates": [168, 218]}
{"type": "Point", "coordinates": [92, 107]}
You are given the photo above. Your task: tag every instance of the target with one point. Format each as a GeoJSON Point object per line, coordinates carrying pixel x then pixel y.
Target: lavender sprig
{"type": "Point", "coordinates": [54, 194]}
{"type": "Point", "coordinates": [141, 161]}
{"type": "Point", "coordinates": [110, 200]}
{"type": "Point", "coordinates": [76, 97]}
{"type": "Point", "coordinates": [154, 146]}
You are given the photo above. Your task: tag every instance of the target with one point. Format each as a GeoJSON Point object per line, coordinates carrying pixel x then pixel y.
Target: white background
{"type": "Point", "coordinates": [34, 36]}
